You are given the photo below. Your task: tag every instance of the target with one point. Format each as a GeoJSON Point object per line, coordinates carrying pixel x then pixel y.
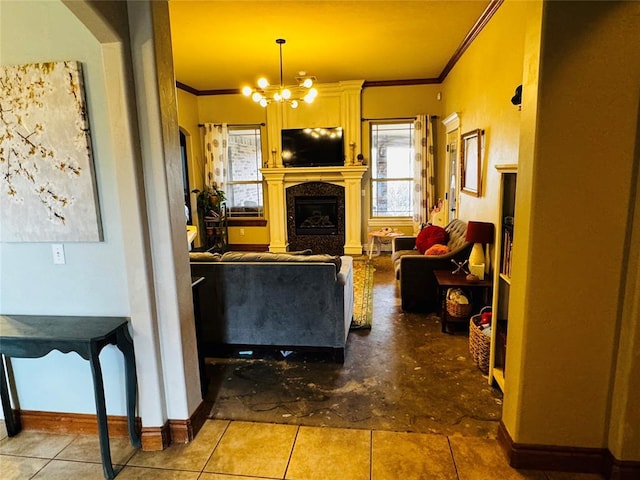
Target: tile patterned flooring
{"type": "Point", "coordinates": [237, 450]}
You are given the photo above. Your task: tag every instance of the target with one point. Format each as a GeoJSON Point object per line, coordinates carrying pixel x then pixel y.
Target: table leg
{"type": "Point", "coordinates": [125, 344]}
{"type": "Point", "coordinates": [443, 309]}
{"type": "Point", "coordinates": [101, 411]}
{"type": "Point", "coordinates": [371, 247]}
{"type": "Point", "coordinates": [11, 421]}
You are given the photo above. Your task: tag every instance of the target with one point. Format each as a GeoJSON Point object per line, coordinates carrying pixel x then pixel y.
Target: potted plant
{"type": "Point", "coordinates": [209, 201]}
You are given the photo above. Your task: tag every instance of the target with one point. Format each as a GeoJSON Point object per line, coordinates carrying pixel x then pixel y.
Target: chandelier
{"type": "Point", "coordinates": [265, 94]}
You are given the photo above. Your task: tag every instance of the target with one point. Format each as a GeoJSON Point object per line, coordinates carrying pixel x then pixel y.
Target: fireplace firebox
{"type": "Point", "coordinates": [316, 215]}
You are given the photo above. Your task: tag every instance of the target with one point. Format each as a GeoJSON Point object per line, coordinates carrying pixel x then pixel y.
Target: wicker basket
{"type": "Point", "coordinates": [479, 343]}
{"type": "Point", "coordinates": [457, 310]}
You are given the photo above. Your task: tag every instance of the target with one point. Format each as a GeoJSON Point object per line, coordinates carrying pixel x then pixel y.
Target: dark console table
{"type": "Point", "coordinates": [34, 336]}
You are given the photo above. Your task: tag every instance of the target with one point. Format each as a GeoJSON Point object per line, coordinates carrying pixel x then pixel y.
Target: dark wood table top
{"type": "Point", "coordinates": [61, 328]}
{"type": "Point", "coordinates": [447, 279]}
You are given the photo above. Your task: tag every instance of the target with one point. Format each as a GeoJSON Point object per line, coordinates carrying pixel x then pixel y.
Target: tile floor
{"type": "Point", "coordinates": [236, 450]}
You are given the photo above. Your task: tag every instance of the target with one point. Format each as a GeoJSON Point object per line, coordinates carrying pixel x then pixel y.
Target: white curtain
{"type": "Point", "coordinates": [423, 176]}
{"type": "Point", "coordinates": [216, 139]}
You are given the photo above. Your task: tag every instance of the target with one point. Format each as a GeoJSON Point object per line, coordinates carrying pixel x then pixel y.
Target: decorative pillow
{"type": "Point", "coordinates": [437, 249]}
{"type": "Point", "coordinates": [429, 236]}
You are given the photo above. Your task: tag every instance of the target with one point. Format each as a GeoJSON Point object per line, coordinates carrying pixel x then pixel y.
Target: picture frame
{"type": "Point", "coordinates": [471, 162]}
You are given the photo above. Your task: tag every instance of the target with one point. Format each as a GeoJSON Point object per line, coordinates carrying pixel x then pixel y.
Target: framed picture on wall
{"type": "Point", "coordinates": [471, 162]}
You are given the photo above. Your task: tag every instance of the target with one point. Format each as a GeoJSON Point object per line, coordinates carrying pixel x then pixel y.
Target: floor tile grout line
{"type": "Point", "coordinates": [453, 458]}
{"type": "Point", "coordinates": [370, 454]}
{"type": "Point", "coordinates": [41, 468]}
{"type": "Point", "coordinates": [214, 448]}
{"type": "Point", "coordinates": [293, 445]}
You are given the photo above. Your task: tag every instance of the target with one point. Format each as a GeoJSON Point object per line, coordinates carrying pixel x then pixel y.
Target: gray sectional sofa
{"type": "Point", "coordinates": [285, 301]}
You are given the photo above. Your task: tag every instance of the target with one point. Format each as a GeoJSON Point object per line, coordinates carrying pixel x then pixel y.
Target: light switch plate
{"type": "Point", "coordinates": [58, 254]}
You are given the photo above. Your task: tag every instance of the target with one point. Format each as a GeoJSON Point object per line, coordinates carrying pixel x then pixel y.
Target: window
{"type": "Point", "coordinates": [392, 161]}
{"type": "Point", "coordinates": [244, 180]}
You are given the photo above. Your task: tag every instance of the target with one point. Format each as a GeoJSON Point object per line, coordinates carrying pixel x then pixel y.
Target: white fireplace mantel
{"type": "Point", "coordinates": [279, 178]}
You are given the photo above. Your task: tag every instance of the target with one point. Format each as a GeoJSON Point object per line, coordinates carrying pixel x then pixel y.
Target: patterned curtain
{"type": "Point", "coordinates": [423, 187]}
{"type": "Point", "coordinates": [216, 138]}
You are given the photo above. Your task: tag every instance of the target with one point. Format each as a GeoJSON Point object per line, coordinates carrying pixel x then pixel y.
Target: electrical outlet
{"type": "Point", "coordinates": [58, 254]}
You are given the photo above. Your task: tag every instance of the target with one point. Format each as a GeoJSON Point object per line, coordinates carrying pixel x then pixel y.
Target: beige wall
{"type": "Point", "coordinates": [579, 165]}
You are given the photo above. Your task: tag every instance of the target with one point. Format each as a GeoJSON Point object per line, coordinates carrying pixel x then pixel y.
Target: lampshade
{"type": "Point", "coordinates": [479, 232]}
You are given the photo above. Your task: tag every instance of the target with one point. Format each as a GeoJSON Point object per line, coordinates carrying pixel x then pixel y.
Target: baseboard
{"type": "Point", "coordinates": [73, 423]}
{"type": "Point", "coordinates": [153, 438]}
{"type": "Point", "coordinates": [621, 469]}
{"type": "Point", "coordinates": [183, 431]}
{"type": "Point", "coordinates": [566, 459]}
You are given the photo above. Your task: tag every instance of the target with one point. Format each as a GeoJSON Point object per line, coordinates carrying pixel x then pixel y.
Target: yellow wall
{"type": "Point", "coordinates": [479, 89]}
{"type": "Point", "coordinates": [188, 120]}
{"type": "Point", "coordinates": [377, 103]}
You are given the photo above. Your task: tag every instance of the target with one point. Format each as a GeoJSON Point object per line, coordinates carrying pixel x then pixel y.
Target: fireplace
{"type": "Point", "coordinates": [285, 184]}
{"type": "Point", "coordinates": [316, 215]}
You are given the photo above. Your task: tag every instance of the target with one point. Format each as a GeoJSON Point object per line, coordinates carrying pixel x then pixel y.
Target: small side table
{"type": "Point", "coordinates": [377, 237]}
{"type": "Point", "coordinates": [445, 280]}
{"type": "Point", "coordinates": [34, 336]}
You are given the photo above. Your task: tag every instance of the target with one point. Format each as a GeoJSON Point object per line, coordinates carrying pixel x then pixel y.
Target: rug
{"type": "Point", "coordinates": [362, 293]}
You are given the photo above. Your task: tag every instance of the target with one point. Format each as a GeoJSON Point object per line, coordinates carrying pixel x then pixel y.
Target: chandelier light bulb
{"type": "Point", "coordinates": [265, 94]}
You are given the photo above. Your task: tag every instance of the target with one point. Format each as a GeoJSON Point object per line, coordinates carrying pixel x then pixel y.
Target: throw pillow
{"type": "Point", "coordinates": [429, 236]}
{"type": "Point", "coordinates": [437, 249]}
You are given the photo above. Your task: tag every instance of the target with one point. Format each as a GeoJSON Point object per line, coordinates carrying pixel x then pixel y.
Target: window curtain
{"type": "Point", "coordinates": [423, 172]}
{"type": "Point", "coordinates": [216, 156]}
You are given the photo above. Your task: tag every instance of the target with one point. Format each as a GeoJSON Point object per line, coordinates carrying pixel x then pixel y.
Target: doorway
{"type": "Point", "coordinates": [451, 195]}
{"type": "Point", "coordinates": [185, 178]}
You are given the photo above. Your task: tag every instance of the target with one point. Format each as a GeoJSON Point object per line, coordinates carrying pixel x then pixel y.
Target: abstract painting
{"type": "Point", "coordinates": [47, 180]}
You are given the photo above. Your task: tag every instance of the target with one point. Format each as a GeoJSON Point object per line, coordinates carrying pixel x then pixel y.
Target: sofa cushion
{"type": "Point", "coordinates": [396, 256]}
{"type": "Point", "coordinates": [429, 236]}
{"type": "Point", "coordinates": [280, 257]}
{"type": "Point", "coordinates": [204, 257]}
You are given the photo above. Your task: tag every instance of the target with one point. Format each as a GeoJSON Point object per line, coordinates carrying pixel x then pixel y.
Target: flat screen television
{"type": "Point", "coordinates": [312, 147]}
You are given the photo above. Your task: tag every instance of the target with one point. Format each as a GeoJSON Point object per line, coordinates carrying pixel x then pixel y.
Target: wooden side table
{"type": "Point", "coordinates": [445, 280]}
{"type": "Point", "coordinates": [34, 336]}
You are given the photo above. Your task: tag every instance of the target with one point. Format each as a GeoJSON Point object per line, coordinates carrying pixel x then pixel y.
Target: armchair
{"type": "Point", "coordinates": [414, 272]}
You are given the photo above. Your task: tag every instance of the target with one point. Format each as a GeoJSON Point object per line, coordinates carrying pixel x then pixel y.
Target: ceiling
{"type": "Point", "coordinates": [220, 45]}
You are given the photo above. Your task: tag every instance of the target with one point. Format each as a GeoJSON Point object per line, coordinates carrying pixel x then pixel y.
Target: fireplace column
{"type": "Point", "coordinates": [353, 202]}
{"type": "Point", "coordinates": [277, 220]}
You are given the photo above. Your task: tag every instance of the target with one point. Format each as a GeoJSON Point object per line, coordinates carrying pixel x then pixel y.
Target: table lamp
{"type": "Point", "coordinates": [479, 233]}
